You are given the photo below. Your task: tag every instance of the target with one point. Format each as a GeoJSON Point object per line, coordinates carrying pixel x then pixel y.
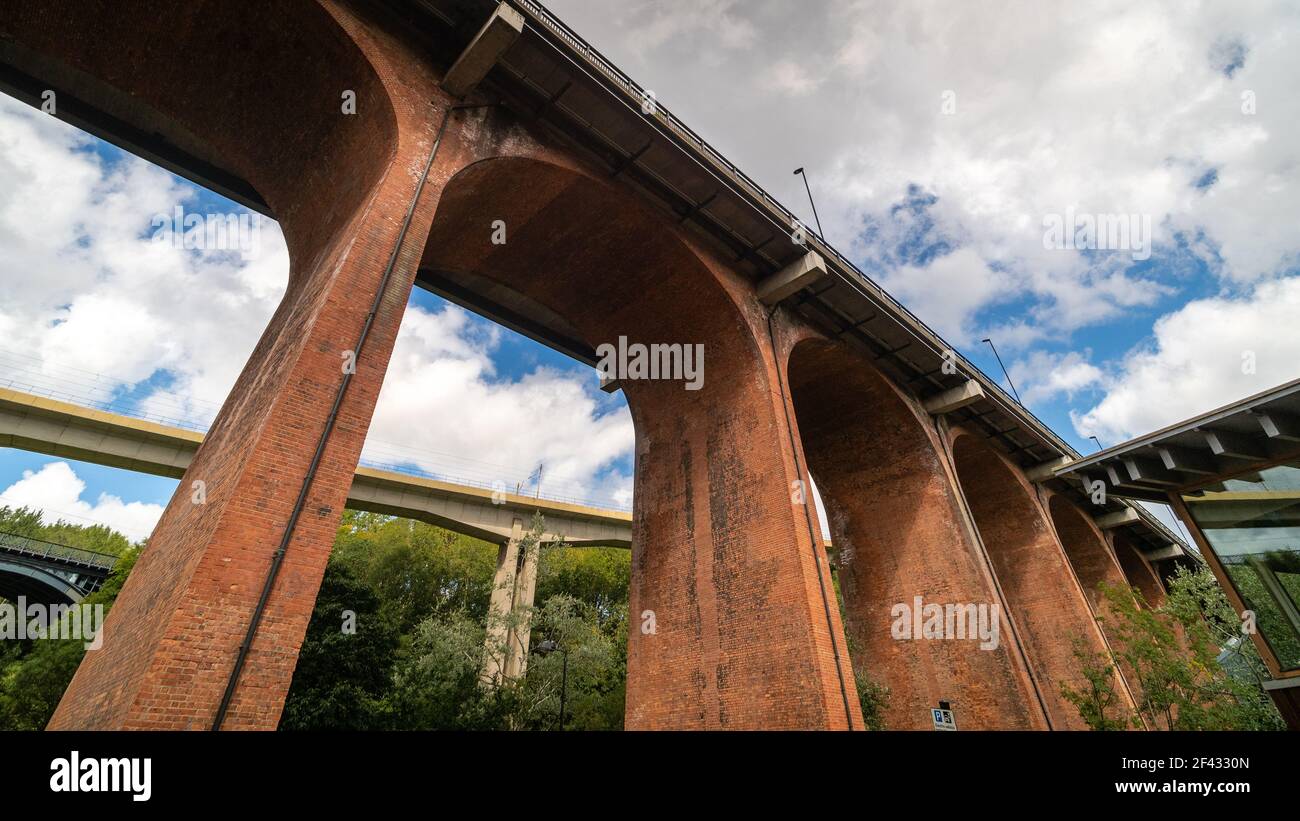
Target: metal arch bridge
{"type": "Point", "coordinates": [48, 572]}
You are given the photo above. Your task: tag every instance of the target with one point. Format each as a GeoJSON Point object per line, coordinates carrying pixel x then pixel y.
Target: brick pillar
{"type": "Point", "coordinates": [171, 639]}
{"type": "Point", "coordinates": [900, 531]}
{"type": "Point", "coordinates": [731, 628]}
{"type": "Point", "coordinates": [1093, 563]}
{"type": "Point", "coordinates": [1047, 604]}
{"type": "Point", "coordinates": [729, 594]}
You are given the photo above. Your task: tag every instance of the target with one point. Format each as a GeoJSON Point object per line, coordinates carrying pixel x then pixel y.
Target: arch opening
{"type": "Point", "coordinates": [716, 550]}
{"type": "Point", "coordinates": [1137, 572]}
{"type": "Point", "coordinates": [1047, 603]}
{"type": "Point", "coordinates": [899, 533]}
{"type": "Point", "coordinates": [1086, 548]}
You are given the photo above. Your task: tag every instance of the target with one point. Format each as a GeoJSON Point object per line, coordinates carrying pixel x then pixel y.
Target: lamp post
{"type": "Point", "coordinates": [799, 172]}
{"type": "Point", "coordinates": [1004, 369]}
{"type": "Point", "coordinates": [544, 649]}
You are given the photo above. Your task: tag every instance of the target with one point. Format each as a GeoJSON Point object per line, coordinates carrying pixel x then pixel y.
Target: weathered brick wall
{"type": "Point", "coordinates": [1047, 604]}
{"type": "Point", "coordinates": [900, 532]}
{"type": "Point", "coordinates": [721, 558]}
{"type": "Point", "coordinates": [339, 185]}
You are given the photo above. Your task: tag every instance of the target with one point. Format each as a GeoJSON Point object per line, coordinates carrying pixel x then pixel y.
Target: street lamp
{"type": "Point", "coordinates": [1004, 370]}
{"type": "Point", "coordinates": [544, 649]}
{"type": "Point", "coordinates": [798, 172]}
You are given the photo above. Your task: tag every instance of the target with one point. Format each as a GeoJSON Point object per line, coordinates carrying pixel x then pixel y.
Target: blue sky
{"type": "Point", "coordinates": [940, 144]}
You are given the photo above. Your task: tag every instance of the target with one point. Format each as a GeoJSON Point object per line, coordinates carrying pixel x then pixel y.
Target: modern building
{"type": "Point", "coordinates": [1233, 476]}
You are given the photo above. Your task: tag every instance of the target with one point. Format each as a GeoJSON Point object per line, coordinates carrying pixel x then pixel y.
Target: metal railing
{"type": "Point", "coordinates": [665, 117]}
{"type": "Point", "coordinates": [39, 548]}
{"type": "Point", "coordinates": [684, 133]}
{"type": "Point", "coordinates": [522, 490]}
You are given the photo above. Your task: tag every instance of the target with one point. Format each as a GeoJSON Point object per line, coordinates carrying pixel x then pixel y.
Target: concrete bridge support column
{"type": "Point", "coordinates": [525, 591]}
{"type": "Point", "coordinates": [508, 626]}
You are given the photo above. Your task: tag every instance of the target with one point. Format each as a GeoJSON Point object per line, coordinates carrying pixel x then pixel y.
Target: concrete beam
{"type": "Point", "coordinates": [1149, 470]}
{"type": "Point", "coordinates": [1111, 473]}
{"type": "Point", "coordinates": [498, 34]}
{"type": "Point", "coordinates": [1186, 460]}
{"type": "Point", "coordinates": [1120, 518]}
{"type": "Point", "coordinates": [1169, 551]}
{"type": "Point", "coordinates": [799, 274]}
{"type": "Point", "coordinates": [1043, 471]}
{"type": "Point", "coordinates": [954, 398]}
{"type": "Point", "coordinates": [41, 425]}
{"type": "Point", "coordinates": [1279, 426]}
{"type": "Point", "coordinates": [611, 385]}
{"type": "Point", "coordinates": [1225, 443]}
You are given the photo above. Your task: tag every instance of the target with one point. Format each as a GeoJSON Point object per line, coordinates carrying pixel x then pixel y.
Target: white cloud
{"type": "Point", "coordinates": [943, 292]}
{"type": "Point", "coordinates": [56, 490]}
{"type": "Point", "coordinates": [1111, 108]}
{"type": "Point", "coordinates": [1208, 353]}
{"type": "Point", "coordinates": [95, 308]}
{"type": "Point", "coordinates": [93, 305]}
{"type": "Point", "coordinates": [791, 78]}
{"type": "Point", "coordinates": [452, 414]}
{"type": "Point", "coordinates": [1043, 375]}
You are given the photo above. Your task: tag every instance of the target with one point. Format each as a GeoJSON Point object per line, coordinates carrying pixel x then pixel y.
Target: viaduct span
{"type": "Point", "coordinates": [620, 222]}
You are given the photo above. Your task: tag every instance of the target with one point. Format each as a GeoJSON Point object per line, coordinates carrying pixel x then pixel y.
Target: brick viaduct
{"type": "Point", "coordinates": [933, 480]}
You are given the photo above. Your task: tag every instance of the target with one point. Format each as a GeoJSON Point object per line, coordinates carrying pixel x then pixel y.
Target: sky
{"type": "Point", "coordinates": [957, 152]}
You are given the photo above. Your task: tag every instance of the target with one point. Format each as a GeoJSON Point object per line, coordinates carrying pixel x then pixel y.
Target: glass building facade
{"type": "Point", "coordinates": [1252, 523]}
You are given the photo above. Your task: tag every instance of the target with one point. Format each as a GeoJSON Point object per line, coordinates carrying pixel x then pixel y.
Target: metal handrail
{"type": "Point", "coordinates": [40, 548]}
{"type": "Point", "coordinates": [663, 115]}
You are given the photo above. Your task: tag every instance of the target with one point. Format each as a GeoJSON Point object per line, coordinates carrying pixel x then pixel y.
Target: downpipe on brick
{"type": "Point", "coordinates": [818, 557]}
{"type": "Point", "coordinates": [277, 558]}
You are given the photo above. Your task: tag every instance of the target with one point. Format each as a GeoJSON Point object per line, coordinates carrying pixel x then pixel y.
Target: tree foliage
{"type": "Point", "coordinates": [1194, 670]}
{"type": "Point", "coordinates": [432, 589]}
{"type": "Point", "coordinates": [34, 673]}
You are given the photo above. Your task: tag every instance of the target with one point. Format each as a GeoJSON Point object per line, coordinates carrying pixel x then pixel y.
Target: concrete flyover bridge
{"type": "Point", "coordinates": [620, 223]}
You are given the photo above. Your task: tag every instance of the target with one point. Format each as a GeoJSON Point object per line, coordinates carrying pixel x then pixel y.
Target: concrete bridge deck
{"type": "Point", "coordinates": [62, 429]}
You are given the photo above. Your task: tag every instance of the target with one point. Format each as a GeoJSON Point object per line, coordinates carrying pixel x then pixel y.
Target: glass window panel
{"type": "Point", "coordinates": [1253, 525]}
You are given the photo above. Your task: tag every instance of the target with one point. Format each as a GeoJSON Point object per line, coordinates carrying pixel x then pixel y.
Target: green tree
{"type": "Point", "coordinates": [344, 667]}
{"type": "Point", "coordinates": [436, 686]}
{"type": "Point", "coordinates": [416, 569]}
{"type": "Point", "coordinates": [34, 674]}
{"type": "Point", "coordinates": [1098, 703]}
{"type": "Point", "coordinates": [25, 521]}
{"type": "Point", "coordinates": [1173, 652]}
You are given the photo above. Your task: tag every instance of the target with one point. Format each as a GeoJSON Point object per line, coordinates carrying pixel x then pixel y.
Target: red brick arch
{"type": "Point", "coordinates": [1047, 604]}
{"type": "Point", "coordinates": [900, 532]}
{"type": "Point", "coordinates": [1094, 564]}
{"type": "Point", "coordinates": [1138, 572]}
{"type": "Point", "coordinates": [1086, 547]}
{"type": "Point", "coordinates": [257, 95]}
{"type": "Point", "coordinates": [719, 555]}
